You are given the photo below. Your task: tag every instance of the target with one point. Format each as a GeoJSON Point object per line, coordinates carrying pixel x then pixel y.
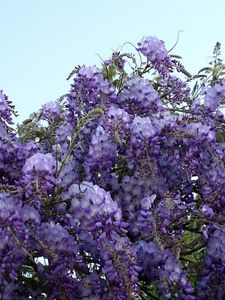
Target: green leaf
{"type": "Point", "coordinates": [111, 72]}
{"type": "Point", "coordinates": [116, 83]}
{"type": "Point", "coordinates": [220, 137]}
{"type": "Point", "coordinates": [206, 69]}
{"type": "Point", "coordinates": [176, 56]}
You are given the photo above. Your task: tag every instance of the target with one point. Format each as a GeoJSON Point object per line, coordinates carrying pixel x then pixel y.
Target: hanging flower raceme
{"type": "Point", "coordinates": [102, 152]}
{"type": "Point", "coordinates": [214, 95]}
{"type": "Point", "coordinates": [120, 267]}
{"type": "Point", "coordinates": [93, 208]}
{"type": "Point", "coordinates": [5, 108]}
{"type": "Point", "coordinates": [139, 97]}
{"type": "Point", "coordinates": [50, 111]}
{"type": "Point", "coordinates": [156, 53]}
{"type": "Point", "coordinates": [89, 91]}
{"type": "Point", "coordinates": [39, 173]}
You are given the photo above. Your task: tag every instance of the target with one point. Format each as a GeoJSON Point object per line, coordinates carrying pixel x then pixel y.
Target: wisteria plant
{"type": "Point", "coordinates": [117, 189]}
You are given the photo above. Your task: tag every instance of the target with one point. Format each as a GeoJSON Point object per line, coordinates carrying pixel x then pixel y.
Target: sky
{"type": "Point", "coordinates": [42, 41]}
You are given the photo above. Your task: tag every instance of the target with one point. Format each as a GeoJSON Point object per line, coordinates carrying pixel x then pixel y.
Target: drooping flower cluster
{"type": "Point", "coordinates": [117, 192]}
{"type": "Point", "coordinates": [50, 111]}
{"type": "Point", "coordinates": [94, 208]}
{"type": "Point", "coordinates": [39, 173]}
{"type": "Point", "coordinates": [156, 53]}
{"type": "Point", "coordinates": [214, 95]}
{"type": "Point", "coordinates": [153, 49]}
{"type": "Point", "coordinates": [103, 150]}
{"type": "Point", "coordinates": [211, 283]}
{"type": "Point", "coordinates": [89, 90]}
{"type": "Point", "coordinates": [164, 270]}
{"type": "Point", "coordinates": [5, 108]}
{"type": "Point", "coordinates": [139, 97]}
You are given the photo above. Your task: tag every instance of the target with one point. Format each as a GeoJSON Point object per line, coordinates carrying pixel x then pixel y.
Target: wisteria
{"type": "Point", "coordinates": [116, 191]}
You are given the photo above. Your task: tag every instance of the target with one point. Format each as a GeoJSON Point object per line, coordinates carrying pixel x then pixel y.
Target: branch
{"type": "Point", "coordinates": [84, 121]}
{"type": "Point", "coordinates": [188, 252]}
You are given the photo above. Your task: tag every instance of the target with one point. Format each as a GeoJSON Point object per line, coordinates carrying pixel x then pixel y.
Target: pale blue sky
{"type": "Point", "coordinates": [41, 41]}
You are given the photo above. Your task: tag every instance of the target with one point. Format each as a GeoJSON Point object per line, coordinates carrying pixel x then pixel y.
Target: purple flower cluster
{"type": "Point", "coordinates": [120, 267]}
{"type": "Point", "coordinates": [153, 49]}
{"type": "Point", "coordinates": [164, 270]}
{"type": "Point", "coordinates": [142, 128]}
{"type": "Point", "coordinates": [39, 173]}
{"type": "Point", "coordinates": [214, 95]}
{"type": "Point", "coordinates": [50, 111]}
{"type": "Point", "coordinates": [89, 91]}
{"type": "Point", "coordinates": [175, 89]}
{"type": "Point", "coordinates": [94, 208]}
{"type": "Point", "coordinates": [102, 151]}
{"type": "Point", "coordinates": [212, 277]}
{"type": "Point", "coordinates": [5, 109]}
{"type": "Point", "coordinates": [156, 53]}
{"type": "Point", "coordinates": [138, 96]}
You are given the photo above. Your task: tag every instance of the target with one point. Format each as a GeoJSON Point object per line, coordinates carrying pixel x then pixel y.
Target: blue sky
{"type": "Point", "coordinates": [41, 41]}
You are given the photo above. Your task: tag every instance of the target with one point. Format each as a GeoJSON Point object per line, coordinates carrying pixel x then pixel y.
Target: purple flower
{"type": "Point", "coordinates": [207, 211]}
{"type": "Point", "coordinates": [94, 207]}
{"type": "Point", "coordinates": [40, 162]}
{"type": "Point", "coordinates": [147, 202]}
{"type": "Point", "coordinates": [156, 53]}
{"type": "Point", "coordinates": [201, 131]}
{"type": "Point", "coordinates": [30, 213]}
{"type": "Point", "coordinates": [50, 111]}
{"type": "Point", "coordinates": [143, 128]}
{"type": "Point", "coordinates": [153, 49]}
{"type": "Point", "coordinates": [214, 95]}
{"type": "Point", "coordinates": [39, 173]}
{"type": "Point", "coordinates": [5, 108]}
{"type": "Point", "coordinates": [139, 96]}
